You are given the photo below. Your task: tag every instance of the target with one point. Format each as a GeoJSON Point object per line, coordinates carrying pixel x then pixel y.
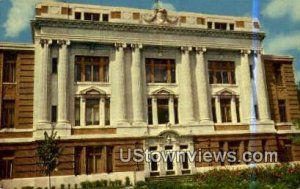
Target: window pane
{"type": "Point", "coordinates": [226, 110]}
{"type": "Point", "coordinates": [106, 72]}
{"type": "Point", "coordinates": [77, 111]}
{"type": "Point", "coordinates": [107, 111]}
{"type": "Point", "coordinates": [225, 77]}
{"type": "Point", "coordinates": [96, 115]}
{"type": "Point", "coordinates": [160, 73]}
{"type": "Point", "coordinates": [211, 77]}
{"type": "Point", "coordinates": [219, 77]}
{"type": "Point", "coordinates": [8, 114]}
{"type": "Point", "coordinates": [148, 73]}
{"type": "Point", "coordinates": [77, 72]}
{"type": "Point", "coordinates": [96, 73]}
{"type": "Point", "coordinates": [173, 74]}
{"type": "Point", "coordinates": [232, 77]}
{"type": "Point", "coordinates": [88, 73]}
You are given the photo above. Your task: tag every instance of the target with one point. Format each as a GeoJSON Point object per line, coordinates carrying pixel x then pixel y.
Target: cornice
{"type": "Point", "coordinates": [139, 28]}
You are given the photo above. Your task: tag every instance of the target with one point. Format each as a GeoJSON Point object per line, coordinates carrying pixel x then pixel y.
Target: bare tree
{"type": "Point", "coordinates": [48, 152]}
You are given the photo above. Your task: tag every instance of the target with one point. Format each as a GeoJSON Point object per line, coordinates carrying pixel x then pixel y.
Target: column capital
{"type": "Point", "coordinates": [245, 51]}
{"type": "Point", "coordinates": [136, 46]}
{"type": "Point", "coordinates": [258, 52]}
{"type": "Point", "coordinates": [185, 49]}
{"type": "Point", "coordinates": [120, 45]}
{"type": "Point", "coordinates": [45, 41]}
{"type": "Point", "coordinates": [200, 49]}
{"type": "Point", "coordinates": [63, 42]}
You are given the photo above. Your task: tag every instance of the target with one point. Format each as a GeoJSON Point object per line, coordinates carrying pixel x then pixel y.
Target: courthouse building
{"type": "Point", "coordinates": [111, 78]}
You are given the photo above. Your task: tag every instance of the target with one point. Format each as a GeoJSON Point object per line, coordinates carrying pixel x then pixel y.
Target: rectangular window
{"type": "Point", "coordinates": [93, 69]}
{"type": "Point", "coordinates": [278, 74]}
{"type": "Point", "coordinates": [237, 103]}
{"type": "Point", "coordinates": [150, 121]}
{"type": "Point", "coordinates": [221, 72]}
{"type": "Point", "coordinates": [176, 111]}
{"type": "Point", "coordinates": [160, 70]}
{"type": "Point", "coordinates": [54, 65]}
{"type": "Point", "coordinates": [92, 16]}
{"type": "Point", "coordinates": [6, 164]}
{"type": "Point", "coordinates": [282, 110]}
{"type": "Point", "coordinates": [251, 71]}
{"type": "Point", "coordinates": [163, 111]}
{"type": "Point", "coordinates": [105, 17]}
{"type": "Point", "coordinates": [77, 111]}
{"type": "Point", "coordinates": [220, 26]}
{"type": "Point", "coordinates": [8, 114]}
{"type": "Point", "coordinates": [209, 25]}
{"type": "Point", "coordinates": [107, 111]}
{"type": "Point", "coordinates": [9, 68]}
{"type": "Point", "coordinates": [93, 158]}
{"type": "Point", "coordinates": [226, 110]}
{"type": "Point", "coordinates": [78, 159]}
{"type": "Point", "coordinates": [77, 15]}
{"type": "Point", "coordinates": [92, 112]}
{"type": "Point", "coordinates": [54, 114]}
{"type": "Point", "coordinates": [231, 26]}
{"type": "Point", "coordinates": [213, 106]}
{"type": "Point", "coordinates": [153, 164]}
{"type": "Point", "coordinates": [234, 146]}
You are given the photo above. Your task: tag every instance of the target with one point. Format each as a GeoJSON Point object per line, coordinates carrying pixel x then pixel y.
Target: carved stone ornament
{"type": "Point", "coordinates": [161, 17]}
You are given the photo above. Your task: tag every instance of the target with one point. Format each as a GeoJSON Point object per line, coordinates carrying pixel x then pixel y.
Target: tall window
{"type": "Point", "coordinates": [92, 112]}
{"type": "Point", "coordinates": [163, 111]}
{"type": "Point", "coordinates": [153, 162]}
{"type": "Point", "coordinates": [8, 114]}
{"type": "Point", "coordinates": [278, 74]}
{"type": "Point", "coordinates": [9, 68]}
{"type": "Point", "coordinates": [282, 111]}
{"type": "Point", "coordinates": [95, 69]}
{"type": "Point", "coordinates": [6, 164]}
{"type": "Point", "coordinates": [234, 146]}
{"type": "Point", "coordinates": [54, 114]}
{"type": "Point", "coordinates": [160, 70]}
{"type": "Point", "coordinates": [150, 120]}
{"type": "Point", "coordinates": [221, 72]}
{"type": "Point", "coordinates": [226, 110]}
{"type": "Point", "coordinates": [238, 115]}
{"type": "Point", "coordinates": [77, 111]}
{"type": "Point", "coordinates": [93, 157]}
{"type": "Point", "coordinates": [107, 111]}
{"type": "Point", "coordinates": [213, 107]}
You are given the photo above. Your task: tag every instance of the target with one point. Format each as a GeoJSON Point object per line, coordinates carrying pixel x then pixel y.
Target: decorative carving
{"type": "Point", "coordinates": [63, 42]}
{"type": "Point", "coordinates": [201, 49]}
{"type": "Point", "coordinates": [161, 17]}
{"type": "Point", "coordinates": [120, 45]}
{"type": "Point", "coordinates": [186, 49]}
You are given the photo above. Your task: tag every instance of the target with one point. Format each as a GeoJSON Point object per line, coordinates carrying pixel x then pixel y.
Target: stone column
{"type": "Point", "coordinates": [202, 86]}
{"type": "Point", "coordinates": [62, 89]}
{"type": "Point", "coordinates": [102, 111]}
{"type": "Point", "coordinates": [171, 111]}
{"type": "Point", "coordinates": [43, 84]}
{"type": "Point", "coordinates": [186, 98]}
{"type": "Point", "coordinates": [118, 86]}
{"type": "Point", "coordinates": [261, 89]}
{"type": "Point", "coordinates": [218, 109]}
{"type": "Point", "coordinates": [233, 109]}
{"type": "Point", "coordinates": [246, 88]}
{"type": "Point", "coordinates": [154, 111]}
{"type": "Point", "coordinates": [137, 85]}
{"type": "Point", "coordinates": [82, 111]}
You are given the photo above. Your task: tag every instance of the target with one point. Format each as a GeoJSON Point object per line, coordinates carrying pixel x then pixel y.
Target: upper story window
{"type": "Point", "coordinates": [91, 16]}
{"type": "Point", "coordinates": [225, 104]}
{"type": "Point", "coordinates": [95, 69]}
{"type": "Point", "coordinates": [9, 70]}
{"type": "Point", "coordinates": [220, 26]}
{"type": "Point", "coordinates": [160, 70]}
{"type": "Point", "coordinates": [278, 74]}
{"type": "Point", "coordinates": [8, 114]}
{"type": "Point", "coordinates": [282, 110]}
{"type": "Point", "coordinates": [221, 72]}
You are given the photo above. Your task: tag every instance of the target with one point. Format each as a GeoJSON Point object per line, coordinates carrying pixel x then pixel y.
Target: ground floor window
{"type": "Point", "coordinates": [8, 114]}
{"type": "Point", "coordinates": [6, 164]}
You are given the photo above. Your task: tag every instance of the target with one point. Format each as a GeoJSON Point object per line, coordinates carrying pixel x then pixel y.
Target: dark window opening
{"type": "Point", "coordinates": [160, 70]}
{"type": "Point", "coordinates": [278, 74]}
{"type": "Point", "coordinates": [77, 111]}
{"type": "Point", "coordinates": [209, 25]}
{"type": "Point", "coordinates": [105, 17]}
{"type": "Point", "coordinates": [282, 110]}
{"type": "Point", "coordinates": [93, 158]}
{"type": "Point", "coordinates": [6, 164]}
{"type": "Point", "coordinates": [54, 65]}
{"type": "Point", "coordinates": [150, 120]}
{"type": "Point", "coordinates": [163, 111]}
{"type": "Point", "coordinates": [213, 105]}
{"type": "Point", "coordinates": [92, 112]}
{"type": "Point", "coordinates": [231, 26]}
{"type": "Point", "coordinates": [78, 15]}
{"type": "Point", "coordinates": [9, 68]}
{"type": "Point", "coordinates": [54, 114]}
{"type": "Point", "coordinates": [8, 114]}
{"type": "Point", "coordinates": [92, 16]}
{"type": "Point", "coordinates": [221, 72]}
{"type": "Point", "coordinates": [226, 110]}
{"type": "Point", "coordinates": [220, 26]}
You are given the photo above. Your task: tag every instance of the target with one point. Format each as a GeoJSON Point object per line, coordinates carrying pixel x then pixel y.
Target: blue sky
{"type": "Point", "coordinates": [280, 19]}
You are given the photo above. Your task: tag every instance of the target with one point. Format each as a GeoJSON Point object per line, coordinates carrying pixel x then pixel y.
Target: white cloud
{"type": "Point", "coordinates": [19, 16]}
{"type": "Point", "coordinates": [283, 43]}
{"type": "Point", "coordinates": [281, 8]}
{"type": "Point", "coordinates": [167, 6]}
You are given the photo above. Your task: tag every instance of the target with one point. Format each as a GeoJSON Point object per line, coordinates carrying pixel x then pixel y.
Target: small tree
{"type": "Point", "coordinates": [48, 152]}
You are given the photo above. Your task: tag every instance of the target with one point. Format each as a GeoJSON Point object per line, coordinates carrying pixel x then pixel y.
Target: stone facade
{"type": "Point", "coordinates": [111, 78]}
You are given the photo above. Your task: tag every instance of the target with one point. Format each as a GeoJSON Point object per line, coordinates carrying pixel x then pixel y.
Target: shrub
{"type": "Point", "coordinates": [86, 185]}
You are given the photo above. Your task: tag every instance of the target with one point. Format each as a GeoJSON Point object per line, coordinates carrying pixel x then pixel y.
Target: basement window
{"type": "Point", "coordinates": [105, 17]}
{"type": "Point", "coordinates": [92, 16]}
{"type": "Point", "coordinates": [209, 25]}
{"type": "Point", "coordinates": [231, 26]}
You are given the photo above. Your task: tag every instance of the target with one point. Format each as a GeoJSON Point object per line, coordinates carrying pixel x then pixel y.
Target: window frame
{"type": "Point", "coordinates": [152, 64]}
{"type": "Point", "coordinates": [218, 69]}
{"type": "Point", "coordinates": [8, 119]}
